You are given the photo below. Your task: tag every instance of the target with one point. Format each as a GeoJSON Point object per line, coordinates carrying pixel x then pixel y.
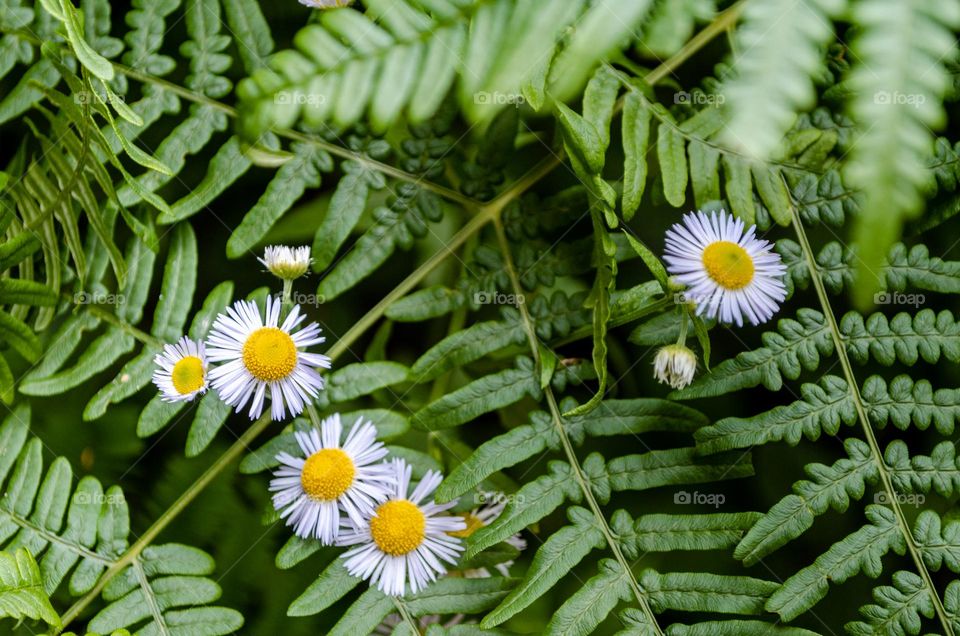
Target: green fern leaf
{"type": "Point", "coordinates": [589, 606]}
{"type": "Point", "coordinates": [554, 559]}
{"type": "Point", "coordinates": [481, 396]}
{"type": "Point", "coordinates": [21, 589]}
{"type": "Point", "coordinates": [703, 592]}
{"type": "Point", "coordinates": [859, 551]}
{"type": "Point", "coordinates": [768, 90]}
{"type": "Point", "coordinates": [939, 543]}
{"type": "Point", "coordinates": [898, 608]}
{"type": "Point", "coordinates": [888, 161]}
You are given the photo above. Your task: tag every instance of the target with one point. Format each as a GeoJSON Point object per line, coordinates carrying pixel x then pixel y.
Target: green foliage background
{"type": "Point", "coordinates": [151, 149]}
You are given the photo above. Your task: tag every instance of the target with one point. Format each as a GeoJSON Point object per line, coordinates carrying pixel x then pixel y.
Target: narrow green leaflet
{"type": "Point", "coordinates": [636, 136]}
{"type": "Point", "coordinates": [859, 551]}
{"type": "Point", "coordinates": [480, 396]}
{"type": "Point", "coordinates": [332, 585]}
{"type": "Point", "coordinates": [673, 163]}
{"type": "Point", "coordinates": [553, 560]}
{"type": "Point", "coordinates": [584, 611]}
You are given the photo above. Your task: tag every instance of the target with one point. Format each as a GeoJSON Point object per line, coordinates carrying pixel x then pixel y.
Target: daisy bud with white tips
{"type": "Point", "coordinates": [675, 365]}
{"type": "Point", "coordinates": [286, 263]}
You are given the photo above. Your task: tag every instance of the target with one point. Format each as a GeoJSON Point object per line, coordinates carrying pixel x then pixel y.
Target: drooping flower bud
{"type": "Point", "coordinates": [675, 365]}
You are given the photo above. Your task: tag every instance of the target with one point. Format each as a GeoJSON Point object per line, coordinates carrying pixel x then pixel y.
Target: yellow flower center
{"type": "Point", "coordinates": [269, 354]}
{"type": "Point", "coordinates": [327, 474]}
{"type": "Point", "coordinates": [474, 523]}
{"type": "Point", "coordinates": [187, 375]}
{"type": "Point", "coordinates": [398, 527]}
{"type": "Point", "coordinates": [728, 264]}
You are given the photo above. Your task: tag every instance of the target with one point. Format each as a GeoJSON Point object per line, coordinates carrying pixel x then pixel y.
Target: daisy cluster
{"type": "Point", "coordinates": [258, 355]}
{"type": "Point", "coordinates": [339, 490]}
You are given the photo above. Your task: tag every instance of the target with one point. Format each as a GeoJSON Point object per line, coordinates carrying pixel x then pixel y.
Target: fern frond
{"type": "Point", "coordinates": [828, 487]}
{"type": "Point", "coordinates": [779, 46]}
{"type": "Point", "coordinates": [922, 473]}
{"type": "Point", "coordinates": [800, 344]}
{"type": "Point", "coordinates": [904, 269]}
{"type": "Point", "coordinates": [938, 542]}
{"type": "Point", "coordinates": [80, 530]}
{"type": "Point", "coordinates": [888, 162]}
{"type": "Point", "coordinates": [824, 406]}
{"type": "Point", "coordinates": [405, 57]}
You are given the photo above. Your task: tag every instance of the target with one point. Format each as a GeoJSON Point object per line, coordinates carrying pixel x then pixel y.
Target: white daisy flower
{"type": "Point", "coordinates": [182, 372]}
{"type": "Point", "coordinates": [729, 273]}
{"type": "Point", "coordinates": [260, 354]}
{"type": "Point", "coordinates": [675, 365]}
{"type": "Point", "coordinates": [491, 506]}
{"type": "Point", "coordinates": [286, 263]}
{"type": "Point", "coordinates": [405, 540]}
{"type": "Point", "coordinates": [311, 492]}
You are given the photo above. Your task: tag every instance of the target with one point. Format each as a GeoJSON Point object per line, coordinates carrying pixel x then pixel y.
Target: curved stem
{"type": "Point", "coordinates": [568, 449]}
{"type": "Point", "coordinates": [113, 319]}
{"type": "Point", "coordinates": [885, 480]}
{"type": "Point", "coordinates": [405, 614]}
{"type": "Point", "coordinates": [147, 538]}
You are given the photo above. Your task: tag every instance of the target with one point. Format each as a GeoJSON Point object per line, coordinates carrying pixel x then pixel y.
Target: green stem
{"type": "Point", "coordinates": [886, 481]}
{"type": "Point", "coordinates": [486, 213]}
{"type": "Point", "coordinates": [718, 26]}
{"type": "Point", "coordinates": [238, 448]}
{"type": "Point", "coordinates": [293, 135]}
{"type": "Point", "coordinates": [568, 449]}
{"type": "Point", "coordinates": [408, 284]}
{"type": "Point", "coordinates": [405, 613]}
{"type": "Point", "coordinates": [113, 319]}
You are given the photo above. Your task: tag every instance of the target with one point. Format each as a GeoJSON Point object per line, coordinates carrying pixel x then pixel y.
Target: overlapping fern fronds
{"type": "Point", "coordinates": [127, 149]}
{"type": "Point", "coordinates": [78, 531]}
